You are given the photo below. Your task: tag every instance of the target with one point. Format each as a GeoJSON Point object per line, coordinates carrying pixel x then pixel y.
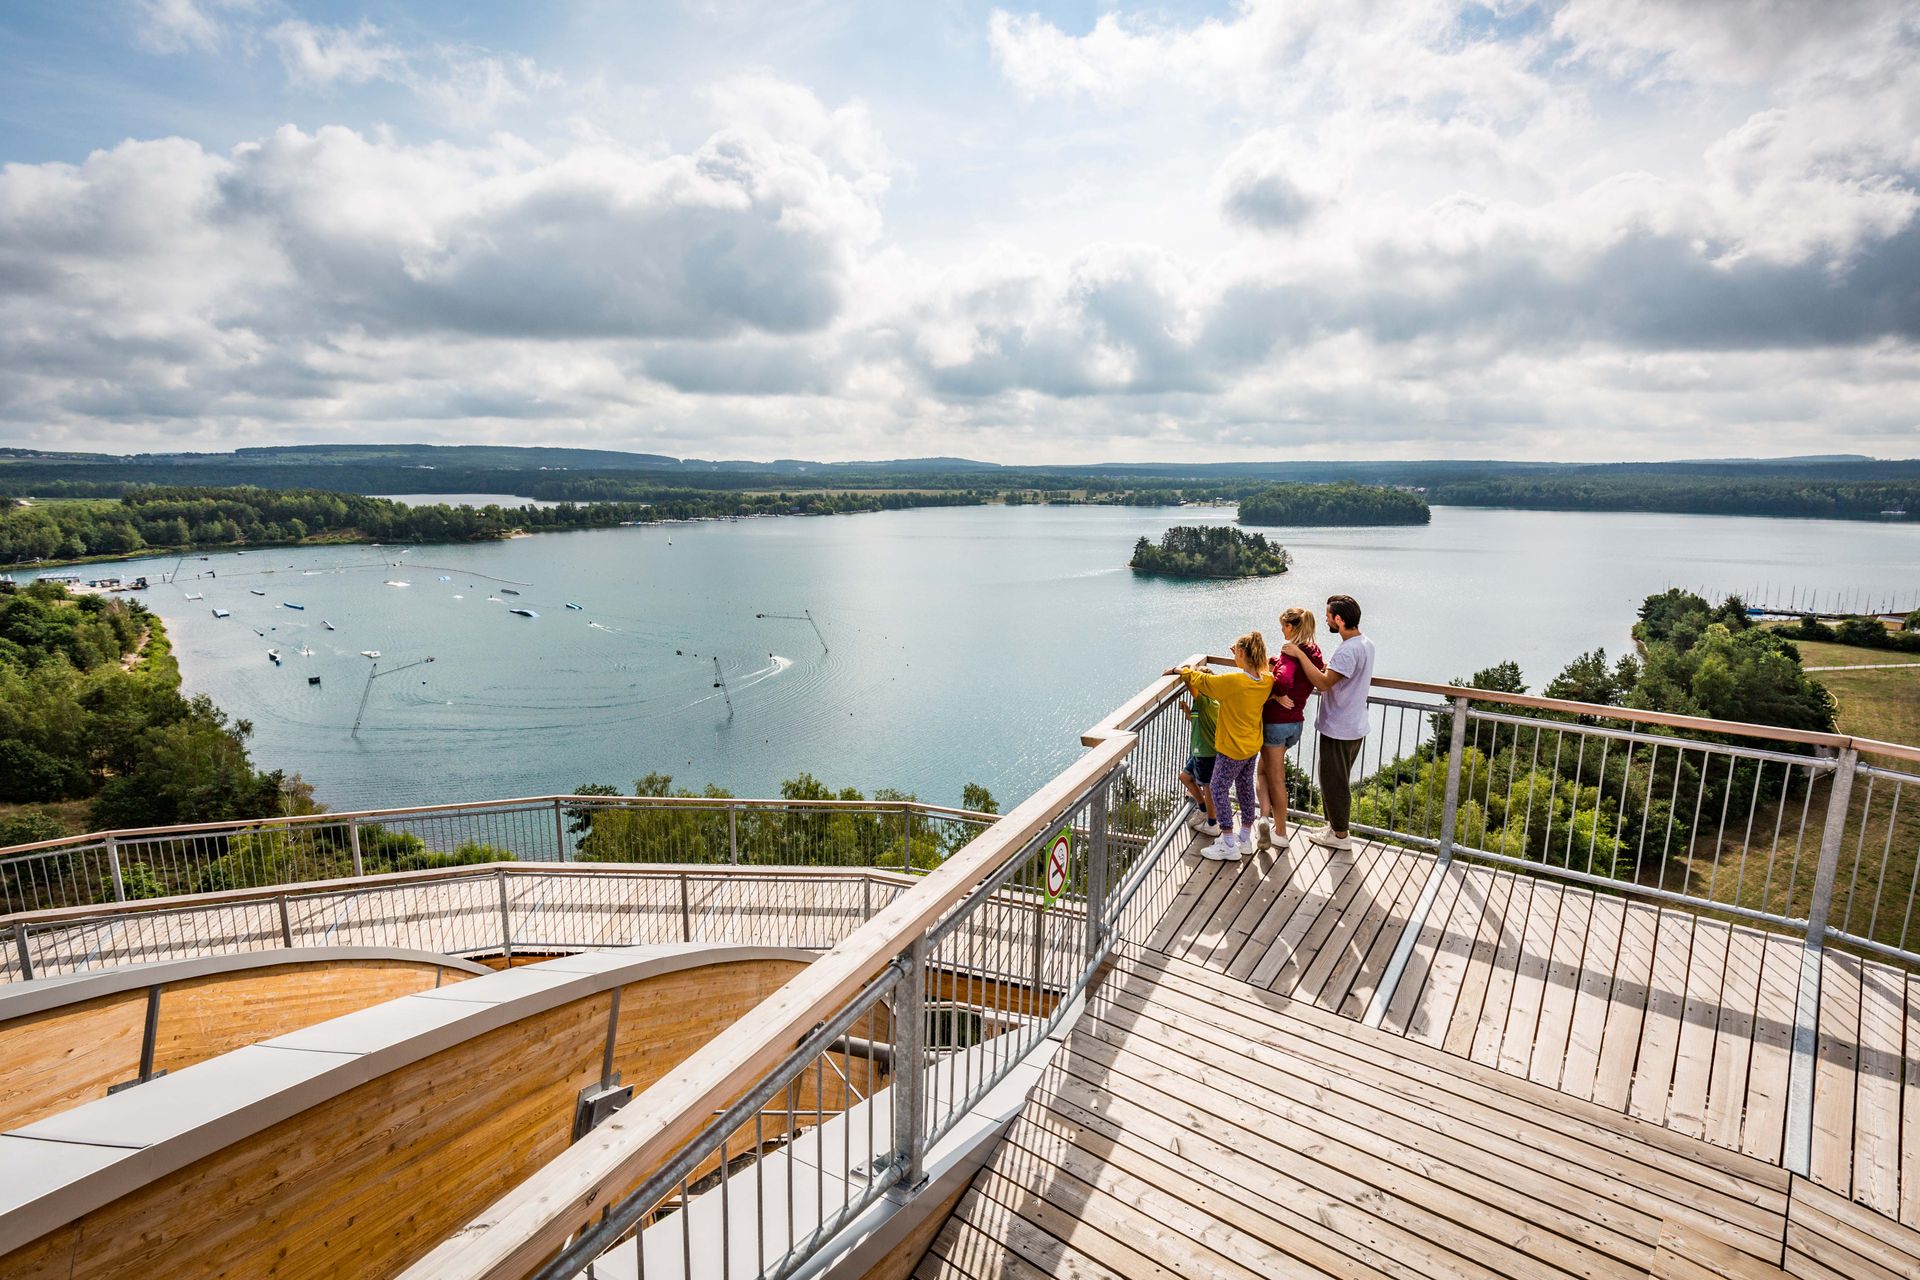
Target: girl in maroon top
{"type": "Point", "coordinates": [1282, 719]}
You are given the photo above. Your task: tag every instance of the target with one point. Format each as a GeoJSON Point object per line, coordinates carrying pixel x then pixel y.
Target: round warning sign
{"type": "Point", "coordinates": [1059, 863]}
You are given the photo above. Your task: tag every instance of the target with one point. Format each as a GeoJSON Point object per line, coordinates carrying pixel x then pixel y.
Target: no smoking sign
{"type": "Point", "coordinates": [1059, 864]}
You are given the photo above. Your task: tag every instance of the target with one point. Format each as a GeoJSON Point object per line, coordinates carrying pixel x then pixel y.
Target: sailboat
{"type": "Point", "coordinates": [273, 655]}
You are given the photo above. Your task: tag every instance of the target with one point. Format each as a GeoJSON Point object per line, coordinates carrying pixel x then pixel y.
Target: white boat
{"type": "Point", "coordinates": [273, 655]}
{"type": "Point", "coordinates": [257, 593]}
{"type": "Point", "coordinates": [369, 653]}
{"type": "Point", "coordinates": [222, 613]}
{"type": "Point", "coordinates": [288, 604]}
{"type": "Point", "coordinates": [572, 605]}
{"type": "Point", "coordinates": [195, 595]}
{"type": "Point", "coordinates": [305, 652]}
{"type": "Point", "coordinates": [328, 625]}
{"type": "Point", "coordinates": [525, 613]}
{"type": "Point", "coordinates": [393, 582]}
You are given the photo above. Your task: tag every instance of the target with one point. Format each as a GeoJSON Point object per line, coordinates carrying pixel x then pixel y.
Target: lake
{"type": "Point", "coordinates": [954, 644]}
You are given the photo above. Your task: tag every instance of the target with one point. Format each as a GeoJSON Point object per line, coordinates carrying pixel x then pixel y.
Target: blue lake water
{"type": "Point", "coordinates": [962, 644]}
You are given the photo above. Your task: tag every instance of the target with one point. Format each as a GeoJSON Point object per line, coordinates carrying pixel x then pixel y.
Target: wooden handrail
{"type": "Point", "coordinates": [1634, 715]}
{"type": "Point", "coordinates": [531, 1223]}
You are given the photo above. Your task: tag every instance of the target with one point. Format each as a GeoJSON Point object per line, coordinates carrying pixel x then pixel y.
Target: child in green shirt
{"type": "Point", "coordinates": [1203, 715]}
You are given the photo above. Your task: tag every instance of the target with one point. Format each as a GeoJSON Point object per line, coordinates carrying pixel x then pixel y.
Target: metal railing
{"type": "Point", "coordinates": [743, 1158]}
{"type": "Point", "coordinates": [505, 909]}
{"type": "Point", "coordinates": [121, 866]}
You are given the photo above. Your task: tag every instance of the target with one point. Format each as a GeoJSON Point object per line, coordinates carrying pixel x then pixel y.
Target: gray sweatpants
{"type": "Point", "coordinates": [1337, 757]}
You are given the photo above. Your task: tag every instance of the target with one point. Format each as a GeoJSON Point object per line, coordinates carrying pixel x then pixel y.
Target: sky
{"type": "Point", "coordinates": [832, 229]}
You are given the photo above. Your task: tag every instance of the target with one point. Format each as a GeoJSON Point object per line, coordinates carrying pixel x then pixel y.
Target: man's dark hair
{"type": "Point", "coordinates": [1345, 608]}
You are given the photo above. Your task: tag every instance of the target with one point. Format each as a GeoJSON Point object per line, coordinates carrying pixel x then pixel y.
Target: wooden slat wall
{"type": "Point", "coordinates": [61, 1058]}
{"type": "Point", "coordinates": [370, 1179]}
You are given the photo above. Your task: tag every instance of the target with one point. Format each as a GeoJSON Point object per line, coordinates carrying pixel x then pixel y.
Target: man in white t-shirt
{"type": "Point", "coordinates": [1343, 686]}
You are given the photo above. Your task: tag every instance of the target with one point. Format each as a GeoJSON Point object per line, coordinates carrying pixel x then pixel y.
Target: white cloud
{"type": "Point", "coordinates": [319, 56]}
{"type": "Point", "coordinates": [175, 26]}
{"type": "Point", "coordinates": [1420, 226]}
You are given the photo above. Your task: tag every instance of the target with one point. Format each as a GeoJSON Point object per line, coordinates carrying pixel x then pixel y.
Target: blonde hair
{"type": "Point", "coordinates": [1300, 622]}
{"type": "Point", "coordinates": [1254, 645]}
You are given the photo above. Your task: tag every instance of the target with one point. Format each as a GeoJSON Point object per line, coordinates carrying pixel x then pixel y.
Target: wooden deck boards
{"type": "Point", "coordinates": [1197, 1126]}
{"type": "Point", "coordinates": [1676, 1020]}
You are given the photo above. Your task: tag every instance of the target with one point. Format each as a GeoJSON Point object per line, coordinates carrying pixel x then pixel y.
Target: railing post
{"type": "Point", "coordinates": [286, 922]}
{"type": "Point", "coordinates": [906, 838]}
{"type": "Point", "coordinates": [1417, 918]}
{"type": "Point", "coordinates": [25, 953]}
{"type": "Point", "coordinates": [353, 843]}
{"type": "Point", "coordinates": [1096, 857]}
{"type": "Point", "coordinates": [113, 865]}
{"type": "Point", "coordinates": [1797, 1155]}
{"type": "Point", "coordinates": [909, 1069]}
{"type": "Point", "coordinates": [559, 830]}
{"type": "Point", "coordinates": [686, 911]}
{"type": "Point", "coordinates": [1450, 804]}
{"type": "Point", "coordinates": [506, 916]}
{"type": "Point", "coordinates": [733, 835]}
{"type": "Point", "coordinates": [1831, 835]}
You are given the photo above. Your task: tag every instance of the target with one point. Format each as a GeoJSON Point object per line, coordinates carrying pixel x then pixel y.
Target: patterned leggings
{"type": "Point", "coordinates": [1234, 778]}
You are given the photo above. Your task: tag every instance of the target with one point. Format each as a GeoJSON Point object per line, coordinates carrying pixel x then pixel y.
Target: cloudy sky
{"type": "Point", "coordinates": [1576, 229]}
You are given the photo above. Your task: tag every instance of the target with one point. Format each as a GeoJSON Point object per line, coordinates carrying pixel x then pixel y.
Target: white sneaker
{"type": "Point", "coordinates": [1228, 848]}
{"type": "Point", "coordinates": [1262, 834]}
{"type": "Point", "coordinates": [1208, 828]}
{"type": "Point", "coordinates": [1324, 836]}
{"type": "Point", "coordinates": [1198, 819]}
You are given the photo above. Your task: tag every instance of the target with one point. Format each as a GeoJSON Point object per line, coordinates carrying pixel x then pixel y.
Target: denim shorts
{"type": "Point", "coordinates": [1200, 769]}
{"type": "Point", "coordinates": [1283, 733]}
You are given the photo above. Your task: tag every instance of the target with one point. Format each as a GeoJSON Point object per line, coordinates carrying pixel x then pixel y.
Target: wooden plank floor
{"type": "Point", "coordinates": [1679, 1020]}
{"type": "Point", "coordinates": [1565, 1082]}
{"type": "Point", "coordinates": [1194, 1125]}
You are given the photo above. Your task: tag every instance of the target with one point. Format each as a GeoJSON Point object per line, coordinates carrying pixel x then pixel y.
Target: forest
{"type": "Point", "coordinates": [91, 710]}
{"type": "Point", "coordinates": [157, 519]}
{"type": "Point", "coordinates": [1334, 504]}
{"type": "Point", "coordinates": [1617, 814]}
{"type": "Point", "coordinates": [1209, 551]}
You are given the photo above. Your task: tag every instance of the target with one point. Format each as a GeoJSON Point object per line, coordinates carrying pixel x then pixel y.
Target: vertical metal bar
{"type": "Point", "coordinates": [353, 843]}
{"type": "Point", "coordinates": [1831, 835]}
{"type": "Point", "coordinates": [559, 831]}
{"type": "Point", "coordinates": [26, 955]}
{"type": "Point", "coordinates": [906, 838]}
{"type": "Point", "coordinates": [686, 911]}
{"type": "Point", "coordinates": [113, 865]}
{"type": "Point", "coordinates": [506, 917]}
{"type": "Point", "coordinates": [150, 1033]}
{"type": "Point", "coordinates": [1096, 861]}
{"type": "Point", "coordinates": [1450, 799]}
{"type": "Point", "coordinates": [909, 1061]}
{"type": "Point", "coordinates": [286, 922]}
{"type": "Point", "coordinates": [1798, 1155]}
{"type": "Point", "coordinates": [1417, 919]}
{"type": "Point", "coordinates": [733, 835]}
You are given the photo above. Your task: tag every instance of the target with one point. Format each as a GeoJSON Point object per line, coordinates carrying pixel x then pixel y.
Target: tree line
{"type": "Point", "coordinates": [160, 519]}
{"type": "Point", "coordinates": [1689, 494]}
{"type": "Point", "coordinates": [1334, 504]}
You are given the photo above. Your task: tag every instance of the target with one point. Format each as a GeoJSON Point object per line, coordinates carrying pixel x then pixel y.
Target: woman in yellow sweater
{"type": "Point", "coordinates": [1237, 737]}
